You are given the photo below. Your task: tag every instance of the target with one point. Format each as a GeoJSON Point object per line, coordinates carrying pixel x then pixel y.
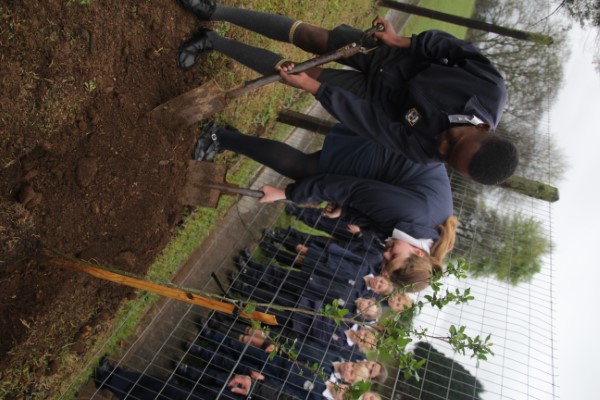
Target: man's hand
{"type": "Point", "coordinates": [272, 194]}
{"type": "Point", "coordinates": [257, 375]}
{"type": "Point", "coordinates": [300, 81]}
{"type": "Point", "coordinates": [353, 229]}
{"type": "Point", "coordinates": [240, 384]}
{"type": "Point", "coordinates": [301, 249]}
{"type": "Point", "coordinates": [389, 35]}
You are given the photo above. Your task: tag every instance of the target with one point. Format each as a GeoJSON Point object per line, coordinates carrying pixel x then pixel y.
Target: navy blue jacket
{"type": "Point", "coordinates": [416, 210]}
{"type": "Point", "coordinates": [414, 91]}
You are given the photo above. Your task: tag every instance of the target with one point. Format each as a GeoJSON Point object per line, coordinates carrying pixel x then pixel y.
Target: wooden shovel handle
{"type": "Point", "coordinates": [163, 290]}
{"type": "Point", "coordinates": [344, 52]}
{"type": "Point", "coordinates": [235, 190]}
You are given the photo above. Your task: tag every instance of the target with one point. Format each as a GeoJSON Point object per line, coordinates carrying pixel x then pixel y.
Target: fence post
{"type": "Point", "coordinates": [468, 22]}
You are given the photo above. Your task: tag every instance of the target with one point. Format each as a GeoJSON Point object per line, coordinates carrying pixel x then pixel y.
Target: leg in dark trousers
{"type": "Point", "coordinates": [279, 156]}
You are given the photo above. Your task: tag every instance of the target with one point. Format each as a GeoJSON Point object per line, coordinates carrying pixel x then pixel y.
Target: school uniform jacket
{"type": "Point", "coordinates": [416, 210]}
{"type": "Point", "coordinates": [414, 91]}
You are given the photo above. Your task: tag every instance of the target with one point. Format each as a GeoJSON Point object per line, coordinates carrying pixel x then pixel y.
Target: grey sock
{"type": "Point", "coordinates": [260, 60]}
{"type": "Point", "coordinates": [273, 26]}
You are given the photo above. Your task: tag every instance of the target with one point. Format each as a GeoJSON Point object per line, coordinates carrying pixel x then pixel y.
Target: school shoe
{"type": "Point", "coordinates": [192, 48]}
{"type": "Point", "coordinates": [233, 276]}
{"type": "Point", "coordinates": [102, 372]}
{"type": "Point", "coordinates": [202, 9]}
{"type": "Point", "coordinates": [183, 370]}
{"type": "Point", "coordinates": [270, 236]}
{"type": "Point", "coordinates": [292, 209]}
{"type": "Point", "coordinates": [269, 248]}
{"type": "Point", "coordinates": [240, 263]}
{"type": "Point", "coordinates": [207, 146]}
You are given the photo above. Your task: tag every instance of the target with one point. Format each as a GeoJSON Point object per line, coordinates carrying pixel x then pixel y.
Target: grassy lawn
{"type": "Point", "coordinates": [462, 8]}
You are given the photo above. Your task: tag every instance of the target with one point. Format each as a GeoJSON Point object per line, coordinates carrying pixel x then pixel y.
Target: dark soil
{"type": "Point", "coordinates": [83, 170]}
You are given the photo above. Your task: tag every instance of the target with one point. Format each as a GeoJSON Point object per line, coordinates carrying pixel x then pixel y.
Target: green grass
{"type": "Point", "coordinates": [462, 8]}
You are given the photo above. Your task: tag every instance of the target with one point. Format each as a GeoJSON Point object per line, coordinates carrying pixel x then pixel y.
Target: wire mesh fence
{"type": "Point", "coordinates": [274, 256]}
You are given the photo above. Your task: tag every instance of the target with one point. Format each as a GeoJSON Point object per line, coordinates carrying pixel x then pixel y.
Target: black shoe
{"type": "Point", "coordinates": [243, 259]}
{"type": "Point", "coordinates": [241, 288]}
{"type": "Point", "coordinates": [269, 248]}
{"type": "Point", "coordinates": [292, 209]}
{"type": "Point", "coordinates": [246, 253]}
{"type": "Point", "coordinates": [240, 263]}
{"type": "Point", "coordinates": [270, 235]}
{"type": "Point", "coordinates": [202, 324]}
{"type": "Point", "coordinates": [183, 369]}
{"type": "Point", "coordinates": [102, 372]}
{"type": "Point", "coordinates": [233, 276]}
{"type": "Point", "coordinates": [202, 9]}
{"type": "Point", "coordinates": [193, 47]}
{"type": "Point", "coordinates": [207, 146]}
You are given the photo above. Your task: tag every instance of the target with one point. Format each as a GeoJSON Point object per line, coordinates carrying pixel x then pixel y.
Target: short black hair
{"type": "Point", "coordinates": [494, 162]}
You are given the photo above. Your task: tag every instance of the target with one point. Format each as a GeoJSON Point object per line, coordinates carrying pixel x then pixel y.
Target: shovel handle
{"type": "Point", "coordinates": [343, 52]}
{"type": "Point", "coordinates": [235, 190]}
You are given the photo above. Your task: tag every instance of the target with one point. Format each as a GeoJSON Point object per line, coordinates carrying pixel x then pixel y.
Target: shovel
{"type": "Point", "coordinates": [166, 290]}
{"type": "Point", "coordinates": [208, 99]}
{"type": "Point", "coordinates": [205, 182]}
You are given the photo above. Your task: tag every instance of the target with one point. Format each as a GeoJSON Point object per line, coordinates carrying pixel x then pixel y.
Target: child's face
{"type": "Point", "coordinates": [399, 302]}
{"type": "Point", "coordinates": [368, 308]}
{"type": "Point", "coordinates": [397, 249]}
{"type": "Point", "coordinates": [380, 284]}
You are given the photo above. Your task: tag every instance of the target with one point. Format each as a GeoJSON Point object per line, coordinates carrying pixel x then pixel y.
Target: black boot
{"type": "Point", "coordinates": [102, 372]}
{"type": "Point", "coordinates": [207, 146]}
{"type": "Point", "coordinates": [190, 49]}
{"type": "Point", "coordinates": [202, 9]}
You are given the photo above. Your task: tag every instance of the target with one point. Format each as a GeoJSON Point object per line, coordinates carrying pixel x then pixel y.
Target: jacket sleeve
{"type": "Point", "coordinates": [369, 121]}
{"type": "Point", "coordinates": [383, 204]}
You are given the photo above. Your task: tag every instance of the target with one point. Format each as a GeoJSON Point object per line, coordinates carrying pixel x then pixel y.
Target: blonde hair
{"type": "Point", "coordinates": [447, 238]}
{"type": "Point", "coordinates": [414, 273]}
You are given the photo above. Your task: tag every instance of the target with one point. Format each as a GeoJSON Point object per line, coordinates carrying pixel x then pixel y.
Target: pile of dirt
{"type": "Point", "coordinates": [83, 170]}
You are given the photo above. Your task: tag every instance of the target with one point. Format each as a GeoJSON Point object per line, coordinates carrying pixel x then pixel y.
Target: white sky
{"type": "Point", "coordinates": [576, 223]}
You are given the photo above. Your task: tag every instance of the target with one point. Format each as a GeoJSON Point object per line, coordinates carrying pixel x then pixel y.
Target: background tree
{"type": "Point", "coordinates": [586, 12]}
{"type": "Point", "coordinates": [507, 247]}
{"type": "Point", "coordinates": [441, 378]}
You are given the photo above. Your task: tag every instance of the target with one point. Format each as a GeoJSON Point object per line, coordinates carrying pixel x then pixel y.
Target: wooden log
{"type": "Point", "coordinates": [468, 22]}
{"type": "Point", "coordinates": [531, 188]}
